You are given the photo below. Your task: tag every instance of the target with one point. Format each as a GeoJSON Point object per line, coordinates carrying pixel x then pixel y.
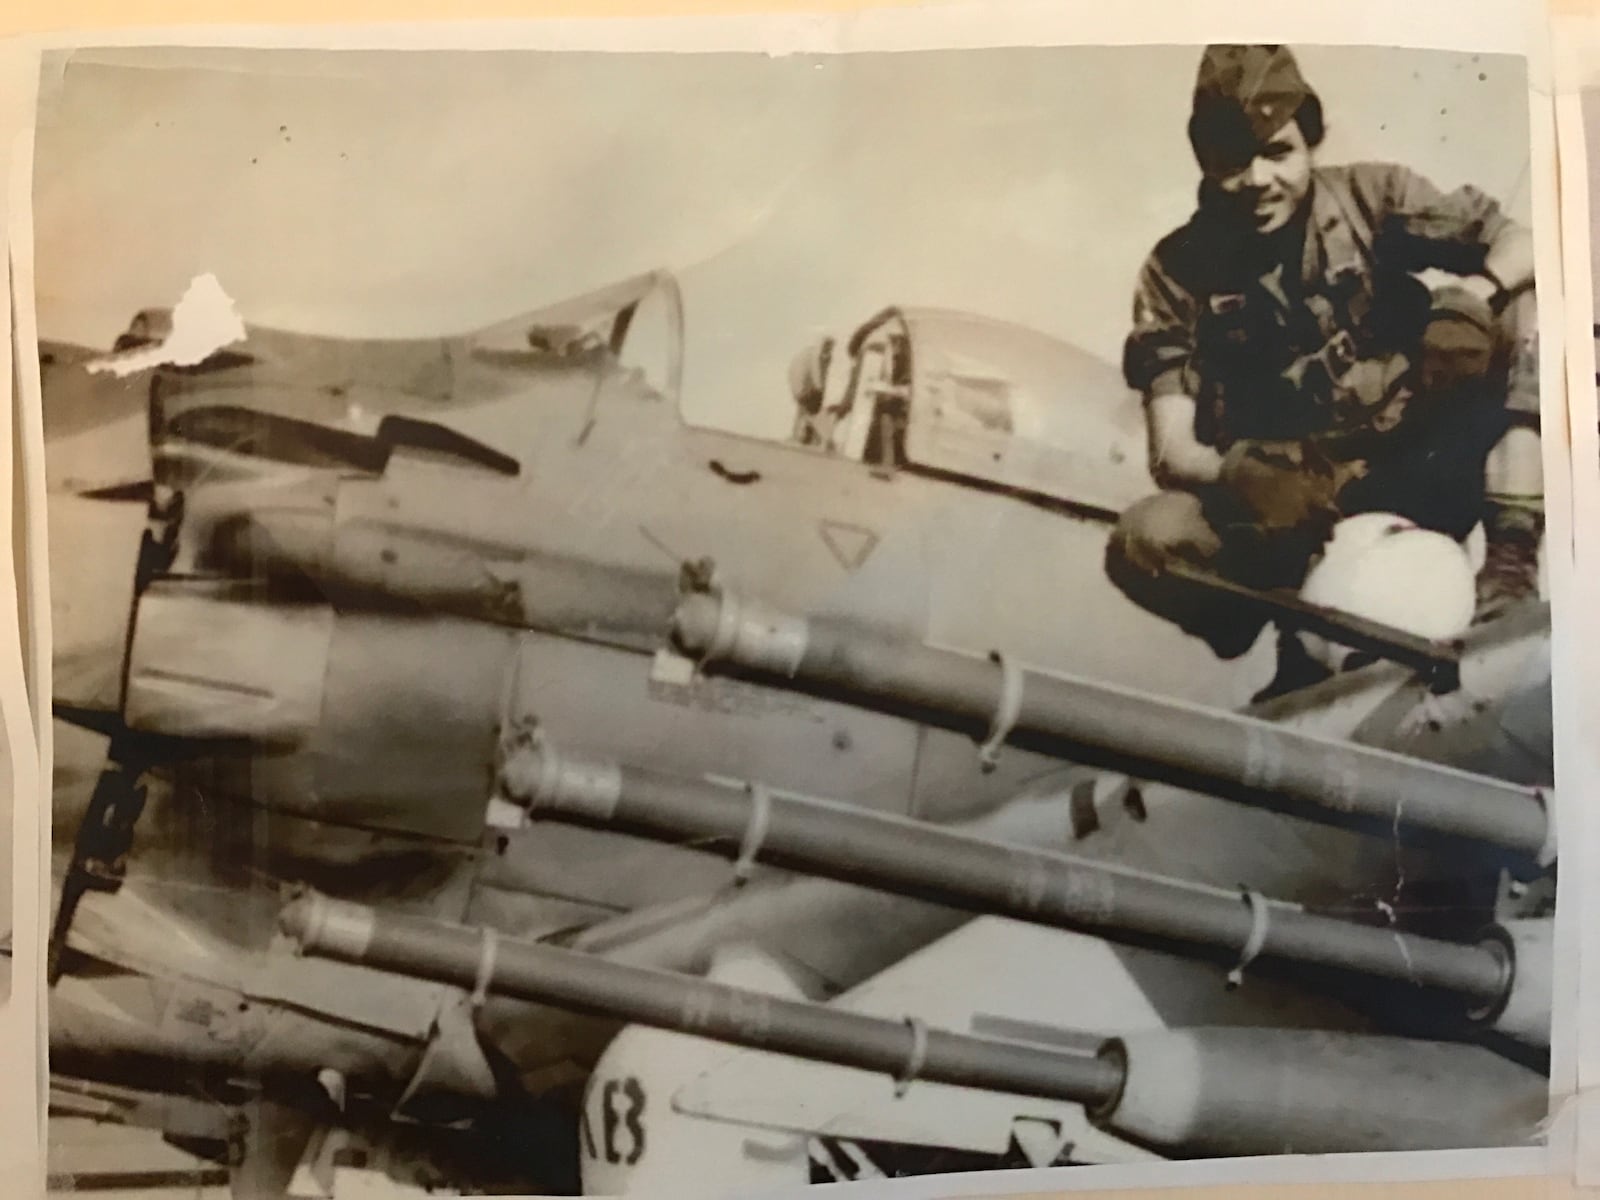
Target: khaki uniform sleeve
{"type": "Point", "coordinates": [1156, 355]}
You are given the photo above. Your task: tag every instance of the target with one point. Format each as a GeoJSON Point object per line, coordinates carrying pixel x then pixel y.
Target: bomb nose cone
{"type": "Point", "coordinates": [336, 928]}
{"type": "Point", "coordinates": [727, 626]}
{"type": "Point", "coordinates": [300, 917]}
{"type": "Point", "coordinates": [694, 624]}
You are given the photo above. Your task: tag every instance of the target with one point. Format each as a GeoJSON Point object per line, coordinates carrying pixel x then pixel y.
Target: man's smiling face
{"type": "Point", "coordinates": [1270, 188]}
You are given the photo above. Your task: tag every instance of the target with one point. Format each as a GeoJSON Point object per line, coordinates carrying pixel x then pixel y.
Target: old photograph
{"type": "Point", "coordinates": [707, 623]}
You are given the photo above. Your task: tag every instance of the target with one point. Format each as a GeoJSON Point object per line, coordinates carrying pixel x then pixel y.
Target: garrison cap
{"type": "Point", "coordinates": [1242, 96]}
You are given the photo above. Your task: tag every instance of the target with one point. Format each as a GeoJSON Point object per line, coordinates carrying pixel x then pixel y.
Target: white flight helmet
{"type": "Point", "coordinates": [1382, 567]}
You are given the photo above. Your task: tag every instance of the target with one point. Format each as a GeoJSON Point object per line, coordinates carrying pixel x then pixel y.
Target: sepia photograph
{"type": "Point", "coordinates": [708, 623]}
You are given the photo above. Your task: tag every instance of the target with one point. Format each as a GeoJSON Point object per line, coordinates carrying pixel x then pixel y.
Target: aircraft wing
{"type": "Point", "coordinates": [360, 602]}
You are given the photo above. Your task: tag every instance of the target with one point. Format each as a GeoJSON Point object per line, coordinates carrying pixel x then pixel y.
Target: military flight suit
{"type": "Point", "coordinates": [1326, 353]}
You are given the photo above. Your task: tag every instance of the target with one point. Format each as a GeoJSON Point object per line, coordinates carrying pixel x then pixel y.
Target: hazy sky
{"type": "Point", "coordinates": [396, 194]}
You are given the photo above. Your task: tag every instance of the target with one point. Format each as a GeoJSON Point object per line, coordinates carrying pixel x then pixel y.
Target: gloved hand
{"type": "Point", "coordinates": [1434, 236]}
{"type": "Point", "coordinates": [1285, 485]}
{"type": "Point", "coordinates": [1163, 527]}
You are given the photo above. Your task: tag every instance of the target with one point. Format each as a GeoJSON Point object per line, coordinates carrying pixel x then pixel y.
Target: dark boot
{"type": "Point", "coordinates": [1510, 572]}
{"type": "Point", "coordinates": [1296, 669]}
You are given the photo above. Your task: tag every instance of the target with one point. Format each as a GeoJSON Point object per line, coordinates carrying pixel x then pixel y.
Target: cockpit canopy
{"type": "Point", "coordinates": [977, 400]}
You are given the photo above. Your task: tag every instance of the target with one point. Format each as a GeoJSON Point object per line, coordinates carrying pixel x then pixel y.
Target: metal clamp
{"type": "Point", "coordinates": [916, 1060]}
{"type": "Point", "coordinates": [751, 634]}
{"type": "Point", "coordinates": [1006, 711]}
{"type": "Point", "coordinates": [755, 832]}
{"type": "Point", "coordinates": [1257, 938]}
{"type": "Point", "coordinates": [486, 963]}
{"type": "Point", "coordinates": [538, 777]}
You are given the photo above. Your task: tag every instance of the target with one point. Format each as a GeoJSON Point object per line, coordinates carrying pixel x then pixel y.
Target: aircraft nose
{"type": "Point", "coordinates": [94, 548]}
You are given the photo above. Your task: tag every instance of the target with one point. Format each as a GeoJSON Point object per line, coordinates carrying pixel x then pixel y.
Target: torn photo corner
{"type": "Point", "coordinates": [974, 602]}
{"type": "Point", "coordinates": [202, 322]}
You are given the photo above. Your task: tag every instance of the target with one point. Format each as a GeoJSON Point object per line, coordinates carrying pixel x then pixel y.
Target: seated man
{"type": "Point", "coordinates": [1317, 342]}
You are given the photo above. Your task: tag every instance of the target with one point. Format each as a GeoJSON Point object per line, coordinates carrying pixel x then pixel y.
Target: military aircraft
{"type": "Point", "coordinates": [653, 807]}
